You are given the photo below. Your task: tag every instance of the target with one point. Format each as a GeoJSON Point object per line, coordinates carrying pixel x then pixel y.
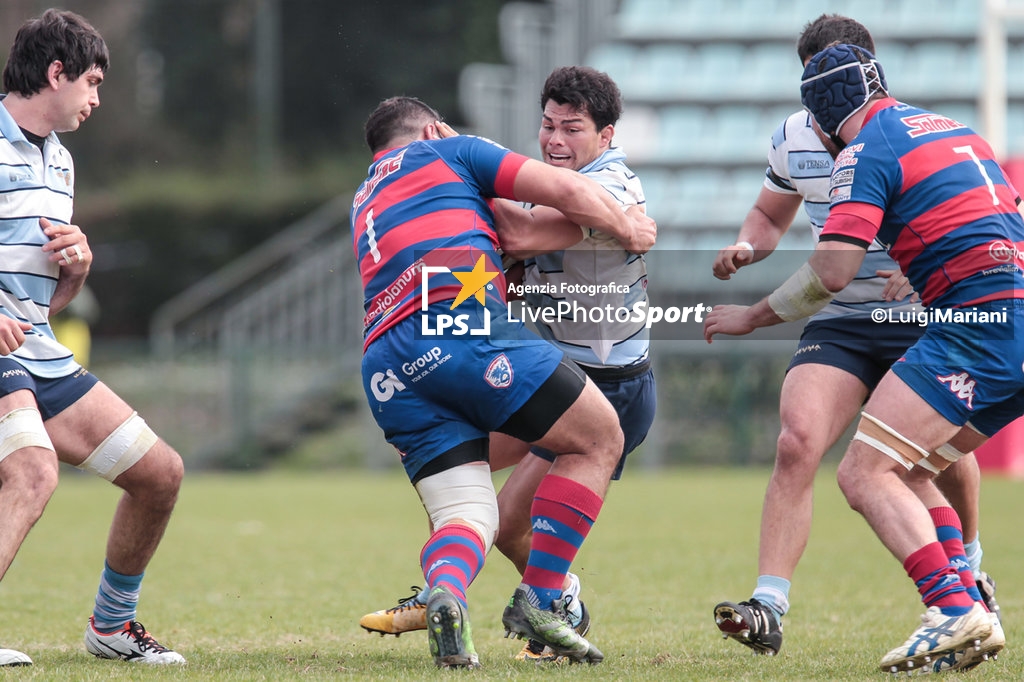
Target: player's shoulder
{"type": "Point", "coordinates": [794, 131]}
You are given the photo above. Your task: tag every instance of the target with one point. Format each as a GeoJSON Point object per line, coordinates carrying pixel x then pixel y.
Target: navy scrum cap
{"type": "Point", "coordinates": [837, 82]}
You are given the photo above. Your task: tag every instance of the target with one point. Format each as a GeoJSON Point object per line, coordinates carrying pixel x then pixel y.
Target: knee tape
{"type": "Point", "coordinates": [121, 449]}
{"type": "Point", "coordinates": [465, 493]}
{"type": "Point", "coordinates": [886, 440]}
{"type": "Point", "coordinates": [20, 428]}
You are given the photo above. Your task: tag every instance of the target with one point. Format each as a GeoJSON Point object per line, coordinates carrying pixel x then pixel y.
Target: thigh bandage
{"type": "Point", "coordinates": [121, 449]}
{"type": "Point", "coordinates": [943, 456]}
{"type": "Point", "coordinates": [20, 428]}
{"type": "Point", "coordinates": [888, 441]}
{"type": "Point", "coordinates": [464, 493]}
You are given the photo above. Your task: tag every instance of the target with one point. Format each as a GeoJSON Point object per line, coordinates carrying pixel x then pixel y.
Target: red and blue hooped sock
{"type": "Point", "coordinates": [937, 580]}
{"type": "Point", "coordinates": [563, 512]}
{"type": "Point", "coordinates": [951, 536]}
{"type": "Point", "coordinates": [453, 556]}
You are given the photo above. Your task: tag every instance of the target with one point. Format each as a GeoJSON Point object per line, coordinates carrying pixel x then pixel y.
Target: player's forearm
{"type": "Point", "coordinates": [761, 232]}
{"type": "Point", "coordinates": [68, 286]}
{"type": "Point", "coordinates": [578, 198]}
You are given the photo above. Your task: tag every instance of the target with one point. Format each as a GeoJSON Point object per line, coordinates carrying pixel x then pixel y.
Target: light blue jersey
{"type": "Point", "coordinates": [799, 164]}
{"type": "Point", "coordinates": [33, 184]}
{"type": "Point", "coordinates": [595, 274]}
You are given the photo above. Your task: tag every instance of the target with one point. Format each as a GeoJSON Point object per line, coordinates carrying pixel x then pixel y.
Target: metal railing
{"type": "Point", "coordinates": [254, 344]}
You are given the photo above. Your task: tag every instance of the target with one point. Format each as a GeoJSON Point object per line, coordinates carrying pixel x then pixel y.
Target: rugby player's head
{"type": "Point", "coordinates": [54, 36]}
{"type": "Point", "coordinates": [397, 121]}
{"type": "Point", "coordinates": [580, 107]}
{"type": "Point", "coordinates": [837, 83]}
{"type": "Point", "coordinates": [828, 29]}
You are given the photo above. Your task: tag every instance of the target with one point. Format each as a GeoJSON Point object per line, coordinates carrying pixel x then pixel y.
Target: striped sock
{"type": "Point", "coordinates": [951, 535]}
{"type": "Point", "coordinates": [937, 580]}
{"type": "Point", "coordinates": [453, 556]}
{"type": "Point", "coordinates": [116, 599]}
{"type": "Point", "coordinates": [562, 513]}
{"type": "Point", "coordinates": [773, 592]}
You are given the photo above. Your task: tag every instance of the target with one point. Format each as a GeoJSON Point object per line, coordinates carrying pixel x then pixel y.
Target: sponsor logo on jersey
{"type": "Point", "coordinates": [1003, 252]}
{"type": "Point", "coordinates": [928, 123]}
{"type": "Point", "coordinates": [962, 385]}
{"type": "Point", "coordinates": [843, 177]}
{"type": "Point", "coordinates": [385, 168]}
{"type": "Point", "coordinates": [837, 194]}
{"type": "Point", "coordinates": [848, 157]}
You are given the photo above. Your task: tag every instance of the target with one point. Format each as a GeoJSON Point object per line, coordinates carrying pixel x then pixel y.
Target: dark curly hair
{"type": "Point", "coordinates": [586, 90]}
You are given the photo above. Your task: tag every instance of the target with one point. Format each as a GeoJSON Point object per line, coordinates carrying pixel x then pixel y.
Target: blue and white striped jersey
{"type": "Point", "coordinates": [596, 274]}
{"type": "Point", "coordinates": [33, 184]}
{"type": "Point", "coordinates": [798, 163]}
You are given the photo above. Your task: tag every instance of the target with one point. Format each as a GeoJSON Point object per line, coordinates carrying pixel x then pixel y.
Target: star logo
{"type": "Point", "coordinates": [473, 282]}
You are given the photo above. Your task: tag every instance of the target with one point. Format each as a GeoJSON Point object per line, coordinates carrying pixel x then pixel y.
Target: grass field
{"type": "Point", "coordinates": [264, 577]}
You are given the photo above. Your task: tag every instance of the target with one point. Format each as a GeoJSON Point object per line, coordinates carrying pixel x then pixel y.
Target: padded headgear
{"type": "Point", "coordinates": [837, 82]}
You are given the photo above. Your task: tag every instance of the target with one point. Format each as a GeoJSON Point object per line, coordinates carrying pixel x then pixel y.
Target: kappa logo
{"type": "Point", "coordinates": [499, 372]}
{"type": "Point", "coordinates": [385, 384]}
{"type": "Point", "coordinates": [437, 564]}
{"type": "Point", "coordinates": [545, 527]}
{"type": "Point", "coordinates": [962, 385]}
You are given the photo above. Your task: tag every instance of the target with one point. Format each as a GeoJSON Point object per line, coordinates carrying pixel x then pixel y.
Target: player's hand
{"type": "Point", "coordinates": [730, 259]}
{"type": "Point", "coordinates": [733, 320]}
{"type": "Point", "coordinates": [645, 231]}
{"type": "Point", "coordinates": [897, 287]}
{"type": "Point", "coordinates": [12, 334]}
{"type": "Point", "coordinates": [444, 130]}
{"type": "Point", "coordinates": [67, 247]}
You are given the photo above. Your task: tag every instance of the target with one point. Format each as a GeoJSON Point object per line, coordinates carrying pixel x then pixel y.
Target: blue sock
{"type": "Point", "coordinates": [974, 553]}
{"type": "Point", "coordinates": [773, 592]}
{"type": "Point", "coordinates": [116, 599]}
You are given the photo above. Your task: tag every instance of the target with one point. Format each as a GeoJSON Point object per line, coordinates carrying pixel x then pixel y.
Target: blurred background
{"type": "Point", "coordinates": [215, 179]}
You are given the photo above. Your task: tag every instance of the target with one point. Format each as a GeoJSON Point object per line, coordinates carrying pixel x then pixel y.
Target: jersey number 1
{"type": "Point", "coordinates": [969, 151]}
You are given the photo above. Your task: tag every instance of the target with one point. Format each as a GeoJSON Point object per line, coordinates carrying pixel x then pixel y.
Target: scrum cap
{"type": "Point", "coordinates": [837, 82]}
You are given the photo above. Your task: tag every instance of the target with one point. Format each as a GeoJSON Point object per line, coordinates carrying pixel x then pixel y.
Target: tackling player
{"type": "Point", "coordinates": [580, 107]}
{"type": "Point", "coordinates": [425, 204]}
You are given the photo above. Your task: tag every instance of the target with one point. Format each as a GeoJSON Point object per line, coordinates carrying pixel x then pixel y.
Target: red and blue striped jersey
{"type": "Point", "coordinates": [929, 189]}
{"type": "Point", "coordinates": [427, 203]}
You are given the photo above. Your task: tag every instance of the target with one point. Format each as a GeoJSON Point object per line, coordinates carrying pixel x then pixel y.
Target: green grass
{"type": "Point", "coordinates": [264, 577]}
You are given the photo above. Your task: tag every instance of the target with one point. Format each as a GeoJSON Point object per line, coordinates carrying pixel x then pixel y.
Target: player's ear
{"type": "Point", "coordinates": [607, 133]}
{"type": "Point", "coordinates": [430, 132]}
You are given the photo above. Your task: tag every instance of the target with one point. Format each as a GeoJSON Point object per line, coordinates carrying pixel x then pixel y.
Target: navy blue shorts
{"type": "Point", "coordinates": [971, 372]}
{"type": "Point", "coordinates": [431, 394]}
{"type": "Point", "coordinates": [856, 345]}
{"type": "Point", "coordinates": [52, 395]}
{"type": "Point", "coordinates": [635, 400]}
